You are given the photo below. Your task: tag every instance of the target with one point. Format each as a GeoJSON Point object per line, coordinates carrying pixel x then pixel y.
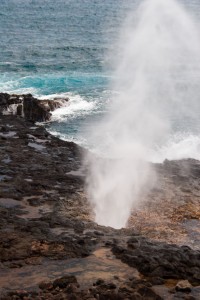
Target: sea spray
{"type": "Point", "coordinates": [157, 78]}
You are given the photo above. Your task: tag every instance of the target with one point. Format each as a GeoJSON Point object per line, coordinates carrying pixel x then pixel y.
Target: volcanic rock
{"type": "Point", "coordinates": [156, 259]}
{"type": "Point", "coordinates": [63, 282]}
{"type": "Point", "coordinates": [47, 231]}
{"type": "Point", "coordinates": [30, 108]}
{"type": "Point", "coordinates": [184, 286]}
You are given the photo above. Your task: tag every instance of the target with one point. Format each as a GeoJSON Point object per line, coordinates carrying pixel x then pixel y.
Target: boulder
{"type": "Point", "coordinates": [64, 281]}
{"type": "Point", "coordinates": [34, 110]}
{"type": "Point", "coordinates": [184, 286]}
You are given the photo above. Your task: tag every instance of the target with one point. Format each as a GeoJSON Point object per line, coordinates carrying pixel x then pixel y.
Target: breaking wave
{"type": "Point", "coordinates": [178, 147]}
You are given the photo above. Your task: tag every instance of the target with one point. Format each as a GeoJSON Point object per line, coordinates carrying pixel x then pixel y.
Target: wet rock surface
{"type": "Point", "coordinates": [156, 259]}
{"type": "Point", "coordinates": [50, 248]}
{"type": "Point", "coordinates": [171, 210]}
{"type": "Point", "coordinates": [30, 108]}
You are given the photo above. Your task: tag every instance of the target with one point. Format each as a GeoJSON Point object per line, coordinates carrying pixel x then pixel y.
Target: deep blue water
{"type": "Point", "coordinates": [60, 47]}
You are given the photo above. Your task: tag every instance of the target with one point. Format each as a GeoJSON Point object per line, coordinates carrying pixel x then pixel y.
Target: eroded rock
{"type": "Point", "coordinates": [30, 108]}
{"type": "Point", "coordinates": [155, 259]}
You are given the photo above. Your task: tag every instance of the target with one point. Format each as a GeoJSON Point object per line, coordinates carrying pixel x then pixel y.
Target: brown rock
{"type": "Point", "coordinates": [183, 286]}
{"type": "Point", "coordinates": [148, 293]}
{"type": "Point", "coordinates": [63, 282]}
{"type": "Point", "coordinates": [46, 285]}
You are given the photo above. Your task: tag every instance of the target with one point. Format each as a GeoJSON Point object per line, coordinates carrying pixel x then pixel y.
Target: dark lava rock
{"type": "Point", "coordinates": [63, 282]}
{"type": "Point", "coordinates": [148, 293]}
{"type": "Point", "coordinates": [157, 281]}
{"type": "Point", "coordinates": [44, 217]}
{"type": "Point", "coordinates": [46, 285]}
{"type": "Point", "coordinates": [29, 107]}
{"type": "Point", "coordinates": [9, 103]}
{"type": "Point", "coordinates": [100, 281]}
{"type": "Point", "coordinates": [33, 111]}
{"type": "Point", "coordinates": [160, 260]}
{"type": "Point", "coordinates": [39, 110]}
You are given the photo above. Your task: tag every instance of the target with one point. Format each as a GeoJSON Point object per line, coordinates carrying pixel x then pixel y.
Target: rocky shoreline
{"type": "Point", "coordinates": [30, 108]}
{"type": "Point", "coordinates": [50, 247]}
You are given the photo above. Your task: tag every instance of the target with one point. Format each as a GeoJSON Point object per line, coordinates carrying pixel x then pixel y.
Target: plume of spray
{"type": "Point", "coordinates": [157, 81]}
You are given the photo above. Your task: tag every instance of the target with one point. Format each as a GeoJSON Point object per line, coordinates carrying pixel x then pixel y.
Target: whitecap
{"type": "Point", "coordinates": [178, 147]}
{"type": "Point", "coordinates": [77, 106]}
{"type": "Point", "coordinates": [55, 95]}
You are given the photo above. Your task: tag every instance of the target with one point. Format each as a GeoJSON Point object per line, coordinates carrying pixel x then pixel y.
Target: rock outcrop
{"type": "Point", "coordinates": [154, 259]}
{"type": "Point", "coordinates": [32, 109]}
{"type": "Point", "coordinates": [50, 247]}
{"type": "Point", "coordinates": [9, 103]}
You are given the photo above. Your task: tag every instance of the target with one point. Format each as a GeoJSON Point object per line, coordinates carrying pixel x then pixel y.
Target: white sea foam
{"type": "Point", "coordinates": [14, 87]}
{"type": "Point", "coordinates": [77, 106]}
{"type": "Point", "coordinates": [177, 147]}
{"type": "Point", "coordinates": [53, 96]}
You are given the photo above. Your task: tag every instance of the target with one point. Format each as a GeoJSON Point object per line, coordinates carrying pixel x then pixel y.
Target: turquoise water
{"type": "Point", "coordinates": [60, 47]}
{"type": "Point", "coordinates": [63, 47]}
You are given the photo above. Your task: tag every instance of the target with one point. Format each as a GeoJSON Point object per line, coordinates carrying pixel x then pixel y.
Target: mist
{"type": "Point", "coordinates": [156, 85]}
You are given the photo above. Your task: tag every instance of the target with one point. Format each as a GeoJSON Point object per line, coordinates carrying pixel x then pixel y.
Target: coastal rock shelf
{"type": "Point", "coordinates": [171, 210]}
{"type": "Point", "coordinates": [50, 247]}
{"type": "Point", "coordinates": [30, 108]}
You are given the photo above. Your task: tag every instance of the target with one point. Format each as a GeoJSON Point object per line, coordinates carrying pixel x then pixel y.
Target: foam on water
{"type": "Point", "coordinates": [180, 146]}
{"type": "Point", "coordinates": [77, 106]}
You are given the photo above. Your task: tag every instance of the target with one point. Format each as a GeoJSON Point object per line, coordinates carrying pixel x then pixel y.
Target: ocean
{"type": "Point", "coordinates": [63, 48]}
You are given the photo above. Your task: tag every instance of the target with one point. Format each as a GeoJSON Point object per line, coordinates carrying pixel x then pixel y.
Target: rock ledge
{"type": "Point", "coordinates": [32, 109]}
